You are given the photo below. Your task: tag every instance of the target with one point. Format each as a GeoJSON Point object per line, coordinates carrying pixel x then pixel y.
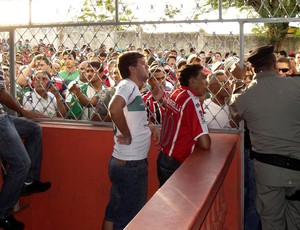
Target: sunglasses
{"type": "Point", "coordinates": [284, 70]}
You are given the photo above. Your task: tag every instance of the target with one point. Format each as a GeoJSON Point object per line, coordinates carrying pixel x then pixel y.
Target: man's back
{"type": "Point", "coordinates": [183, 124]}
{"type": "Point", "coordinates": [271, 108]}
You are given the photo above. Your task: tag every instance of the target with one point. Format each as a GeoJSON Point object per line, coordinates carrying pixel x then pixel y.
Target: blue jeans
{"type": "Point", "coordinates": [13, 152]}
{"type": "Point", "coordinates": [128, 192]}
{"type": "Point", "coordinates": [166, 166]}
{"type": "Point", "coordinates": [251, 217]}
{"type": "Point", "coordinates": [31, 132]}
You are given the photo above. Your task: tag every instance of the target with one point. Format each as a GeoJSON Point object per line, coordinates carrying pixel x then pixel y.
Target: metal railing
{"type": "Point", "coordinates": [121, 33]}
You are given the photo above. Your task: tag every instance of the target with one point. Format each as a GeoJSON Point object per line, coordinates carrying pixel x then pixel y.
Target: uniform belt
{"type": "Point", "coordinates": [278, 160]}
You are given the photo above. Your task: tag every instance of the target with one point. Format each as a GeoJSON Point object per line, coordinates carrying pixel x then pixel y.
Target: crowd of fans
{"type": "Point", "coordinates": [78, 83]}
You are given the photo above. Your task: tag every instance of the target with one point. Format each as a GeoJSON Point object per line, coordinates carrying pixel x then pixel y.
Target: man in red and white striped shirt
{"type": "Point", "coordinates": [183, 126]}
{"type": "Point", "coordinates": [154, 108]}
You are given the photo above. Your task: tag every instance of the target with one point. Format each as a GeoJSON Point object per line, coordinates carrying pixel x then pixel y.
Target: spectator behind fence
{"type": "Point", "coordinates": [80, 80]}
{"type": "Point", "coordinates": [70, 72]}
{"type": "Point", "coordinates": [270, 106]}
{"type": "Point", "coordinates": [115, 76]}
{"type": "Point", "coordinates": [183, 124]}
{"type": "Point", "coordinates": [88, 95]}
{"type": "Point", "coordinates": [282, 53]}
{"type": "Point", "coordinates": [45, 97]}
{"type": "Point", "coordinates": [297, 62]}
{"type": "Point", "coordinates": [193, 59]}
{"type": "Point", "coordinates": [203, 63]}
{"type": "Point", "coordinates": [216, 110]}
{"type": "Point", "coordinates": [22, 176]}
{"type": "Point", "coordinates": [149, 56]}
{"type": "Point", "coordinates": [155, 109]}
{"type": "Point", "coordinates": [110, 67]}
{"type": "Point", "coordinates": [25, 76]}
{"type": "Point", "coordinates": [284, 67]}
{"type": "Point", "coordinates": [132, 142]}
{"type": "Point", "coordinates": [217, 57]}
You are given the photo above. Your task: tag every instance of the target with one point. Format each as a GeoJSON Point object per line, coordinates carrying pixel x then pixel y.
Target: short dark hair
{"type": "Point", "coordinates": [173, 51]}
{"type": "Point", "coordinates": [96, 65]}
{"type": "Point", "coordinates": [171, 57]}
{"type": "Point", "coordinates": [70, 52]}
{"type": "Point", "coordinates": [126, 59]}
{"type": "Point", "coordinates": [215, 74]}
{"type": "Point", "coordinates": [192, 49]}
{"type": "Point", "coordinates": [148, 51]}
{"type": "Point", "coordinates": [155, 69]}
{"type": "Point", "coordinates": [283, 52]}
{"type": "Point", "coordinates": [190, 71]}
{"type": "Point", "coordinates": [103, 55]}
{"type": "Point", "coordinates": [43, 57]}
{"type": "Point", "coordinates": [284, 60]}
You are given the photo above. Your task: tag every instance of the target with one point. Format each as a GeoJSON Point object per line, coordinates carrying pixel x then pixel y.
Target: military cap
{"type": "Point", "coordinates": [258, 55]}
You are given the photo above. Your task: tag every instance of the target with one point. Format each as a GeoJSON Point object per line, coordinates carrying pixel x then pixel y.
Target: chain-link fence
{"type": "Point", "coordinates": [62, 60]}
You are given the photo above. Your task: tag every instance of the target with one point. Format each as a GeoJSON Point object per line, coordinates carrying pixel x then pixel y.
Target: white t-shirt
{"type": "Point", "coordinates": [216, 117]}
{"type": "Point", "coordinates": [137, 121]}
{"type": "Point", "coordinates": [33, 101]}
{"type": "Point", "coordinates": [90, 93]}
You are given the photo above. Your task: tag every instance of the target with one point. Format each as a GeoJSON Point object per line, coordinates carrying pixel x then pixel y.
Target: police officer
{"type": "Point", "coordinates": [270, 105]}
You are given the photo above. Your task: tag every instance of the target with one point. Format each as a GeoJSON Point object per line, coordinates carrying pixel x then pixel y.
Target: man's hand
{"type": "Point", "coordinates": [75, 89]}
{"type": "Point", "coordinates": [155, 133]}
{"type": "Point", "coordinates": [124, 140]}
{"type": "Point", "coordinates": [156, 136]}
{"type": "Point", "coordinates": [33, 115]}
{"type": "Point", "coordinates": [53, 89]}
{"type": "Point", "coordinates": [158, 93]}
{"type": "Point", "coordinates": [239, 71]}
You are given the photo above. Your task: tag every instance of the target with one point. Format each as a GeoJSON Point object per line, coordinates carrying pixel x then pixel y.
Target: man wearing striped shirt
{"type": "Point", "coordinates": [183, 126]}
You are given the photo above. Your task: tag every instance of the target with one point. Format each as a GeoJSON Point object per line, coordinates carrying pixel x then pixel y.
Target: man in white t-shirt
{"type": "Point", "coordinates": [216, 111]}
{"type": "Point", "coordinates": [128, 170]}
{"type": "Point", "coordinates": [41, 99]}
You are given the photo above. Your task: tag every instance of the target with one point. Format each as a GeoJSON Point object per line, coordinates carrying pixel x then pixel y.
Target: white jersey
{"type": "Point", "coordinates": [136, 118]}
{"type": "Point", "coordinates": [90, 93]}
{"type": "Point", "coordinates": [47, 106]}
{"type": "Point", "coordinates": [216, 117]}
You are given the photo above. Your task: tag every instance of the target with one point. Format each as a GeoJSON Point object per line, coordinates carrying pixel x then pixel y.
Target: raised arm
{"type": "Point", "coordinates": [25, 73]}
{"type": "Point", "coordinates": [11, 103]}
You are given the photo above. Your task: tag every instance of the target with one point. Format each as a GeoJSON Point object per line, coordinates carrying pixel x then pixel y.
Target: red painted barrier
{"type": "Point", "coordinates": [75, 160]}
{"type": "Point", "coordinates": [204, 193]}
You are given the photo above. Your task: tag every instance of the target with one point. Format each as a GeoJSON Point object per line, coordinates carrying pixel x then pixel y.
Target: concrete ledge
{"type": "Point", "coordinates": [186, 199]}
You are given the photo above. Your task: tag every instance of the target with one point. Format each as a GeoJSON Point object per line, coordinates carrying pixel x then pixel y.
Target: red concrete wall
{"type": "Point", "coordinates": [75, 160]}
{"type": "Point", "coordinates": [204, 193]}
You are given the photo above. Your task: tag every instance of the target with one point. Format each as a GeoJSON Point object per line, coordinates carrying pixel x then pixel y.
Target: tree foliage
{"type": "Point", "coordinates": [273, 32]}
{"type": "Point", "coordinates": [104, 10]}
{"type": "Point", "coordinates": [170, 12]}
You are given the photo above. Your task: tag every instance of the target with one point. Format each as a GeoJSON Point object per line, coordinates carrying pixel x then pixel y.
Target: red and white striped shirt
{"type": "Point", "coordinates": [183, 124]}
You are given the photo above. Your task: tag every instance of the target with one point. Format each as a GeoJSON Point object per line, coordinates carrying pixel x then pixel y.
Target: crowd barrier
{"type": "Point", "coordinates": [205, 191]}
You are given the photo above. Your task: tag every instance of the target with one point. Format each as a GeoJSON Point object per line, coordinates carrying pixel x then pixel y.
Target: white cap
{"type": "Point", "coordinates": [229, 63]}
{"type": "Point", "coordinates": [216, 65]}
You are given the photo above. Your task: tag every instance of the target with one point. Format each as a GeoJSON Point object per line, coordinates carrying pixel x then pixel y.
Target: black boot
{"type": "Point", "coordinates": [34, 187]}
{"type": "Point", "coordinates": [10, 223]}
